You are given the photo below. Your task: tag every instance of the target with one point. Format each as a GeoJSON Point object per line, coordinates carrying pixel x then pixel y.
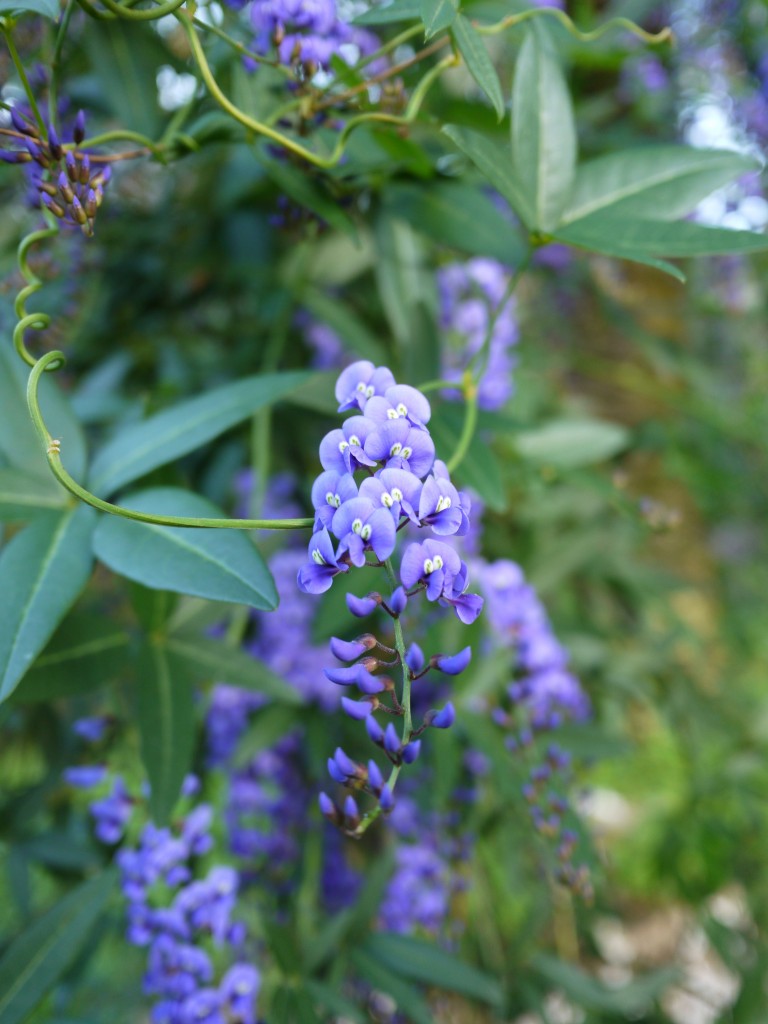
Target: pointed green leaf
{"type": "Point", "coordinates": [401, 277]}
{"type": "Point", "coordinates": [42, 571]}
{"type": "Point", "coordinates": [494, 163]}
{"type": "Point", "coordinates": [635, 238]}
{"type": "Point", "coordinates": [166, 726]}
{"type": "Point", "coordinates": [314, 197]}
{"type": "Point", "coordinates": [339, 316]}
{"type": "Point", "coordinates": [409, 1001]}
{"type": "Point", "coordinates": [543, 131]}
{"type": "Point", "coordinates": [24, 495]}
{"type": "Point", "coordinates": [40, 955]}
{"type": "Point", "coordinates": [222, 565]}
{"type": "Point", "coordinates": [437, 15]}
{"type": "Point", "coordinates": [633, 998]}
{"type": "Point", "coordinates": [458, 215]}
{"type": "Point", "coordinates": [48, 8]}
{"type": "Point", "coordinates": [661, 182]}
{"type": "Point", "coordinates": [398, 10]}
{"type": "Point", "coordinates": [479, 64]}
{"type": "Point", "coordinates": [429, 965]}
{"type": "Point", "coordinates": [205, 660]}
{"type": "Point", "coordinates": [612, 244]}
{"type": "Point", "coordinates": [571, 443]}
{"type": "Point", "coordinates": [172, 433]}
{"type": "Point", "coordinates": [86, 653]}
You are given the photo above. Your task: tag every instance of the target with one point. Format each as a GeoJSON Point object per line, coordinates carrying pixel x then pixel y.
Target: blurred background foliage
{"type": "Point", "coordinates": [650, 556]}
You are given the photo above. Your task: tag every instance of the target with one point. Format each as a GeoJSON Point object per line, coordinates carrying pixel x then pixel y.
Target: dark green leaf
{"type": "Point", "coordinates": [398, 10]}
{"type": "Point", "coordinates": [205, 659]}
{"type": "Point", "coordinates": [480, 66]}
{"type": "Point", "coordinates": [611, 243]}
{"type": "Point", "coordinates": [42, 571]}
{"type": "Point", "coordinates": [401, 277]}
{"type": "Point", "coordinates": [85, 653]}
{"type": "Point", "coordinates": [586, 991]}
{"type": "Point", "coordinates": [437, 15]}
{"type": "Point", "coordinates": [429, 965]}
{"type": "Point", "coordinates": [495, 163]}
{"type": "Point", "coordinates": [571, 443]}
{"type": "Point", "coordinates": [543, 132]}
{"type": "Point", "coordinates": [267, 726]}
{"type": "Point", "coordinates": [408, 1000]}
{"type": "Point", "coordinates": [222, 565]}
{"type": "Point", "coordinates": [358, 338]}
{"type": "Point", "coordinates": [24, 495]}
{"type": "Point", "coordinates": [18, 440]}
{"type": "Point", "coordinates": [661, 182]}
{"type": "Point", "coordinates": [40, 955]}
{"type": "Point", "coordinates": [317, 394]}
{"type": "Point", "coordinates": [60, 851]}
{"type": "Point", "coordinates": [298, 186]}
{"type": "Point", "coordinates": [48, 8]}
{"type": "Point", "coordinates": [337, 1003]}
{"type": "Point", "coordinates": [458, 215]}
{"type": "Point", "coordinates": [142, 447]}
{"type": "Point", "coordinates": [166, 727]}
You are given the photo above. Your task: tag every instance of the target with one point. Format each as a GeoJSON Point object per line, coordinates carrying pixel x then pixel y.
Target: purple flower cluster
{"type": "Point", "coordinates": [387, 442]}
{"type": "Point", "coordinates": [65, 183]}
{"type": "Point", "coordinates": [472, 313]}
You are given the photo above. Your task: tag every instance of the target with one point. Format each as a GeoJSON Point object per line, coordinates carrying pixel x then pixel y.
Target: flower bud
{"type": "Point", "coordinates": [349, 650]}
{"type": "Point", "coordinates": [443, 719]}
{"type": "Point", "coordinates": [357, 709]}
{"type": "Point", "coordinates": [391, 740]}
{"type": "Point", "coordinates": [91, 205]}
{"type": "Point", "coordinates": [335, 772]}
{"type": "Point", "coordinates": [398, 601]}
{"type": "Point", "coordinates": [411, 751]}
{"type": "Point", "coordinates": [374, 730]}
{"type": "Point", "coordinates": [78, 213]}
{"type": "Point", "coordinates": [78, 132]}
{"type": "Point", "coordinates": [362, 606]}
{"type": "Point", "coordinates": [414, 659]}
{"type": "Point", "coordinates": [85, 170]}
{"type": "Point", "coordinates": [345, 763]}
{"type": "Point", "coordinates": [20, 123]}
{"type": "Point", "coordinates": [386, 800]}
{"type": "Point", "coordinates": [452, 664]}
{"type": "Point", "coordinates": [50, 204]}
{"type": "Point", "coordinates": [328, 808]}
{"type": "Point", "coordinates": [351, 813]}
{"type": "Point", "coordinates": [65, 188]}
{"type": "Point", "coordinates": [54, 145]}
{"type": "Point", "coordinates": [375, 778]}
{"type": "Point", "coordinates": [71, 165]}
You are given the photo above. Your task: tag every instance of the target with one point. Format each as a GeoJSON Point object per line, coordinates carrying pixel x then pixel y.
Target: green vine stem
{"type": "Point", "coordinates": [29, 321]}
{"type": "Point", "coordinates": [663, 36]}
{"type": "Point", "coordinates": [17, 63]}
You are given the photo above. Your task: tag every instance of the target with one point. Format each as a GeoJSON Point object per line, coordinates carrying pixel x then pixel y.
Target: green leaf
{"type": "Point", "coordinates": [222, 565]}
{"type": "Point", "coordinates": [340, 317]}
{"type": "Point", "coordinates": [402, 280]}
{"type": "Point", "coordinates": [48, 8]}
{"type": "Point", "coordinates": [408, 1000]}
{"type": "Point", "coordinates": [298, 186]}
{"type": "Point", "coordinates": [458, 215]}
{"type": "Point", "coordinates": [662, 182]}
{"type": "Point", "coordinates": [610, 242]}
{"type": "Point", "coordinates": [437, 15]}
{"type": "Point", "coordinates": [480, 66]}
{"type": "Point", "coordinates": [494, 163]}
{"type": "Point", "coordinates": [40, 955]}
{"type": "Point", "coordinates": [479, 469]}
{"type": "Point", "coordinates": [24, 495]}
{"type": "Point", "coordinates": [267, 726]}
{"type": "Point", "coordinates": [204, 659]}
{"type": "Point", "coordinates": [398, 10]}
{"type": "Point", "coordinates": [338, 1004]}
{"type": "Point", "coordinates": [543, 132]}
{"type": "Point", "coordinates": [429, 965]}
{"type": "Point", "coordinates": [571, 443]}
{"type": "Point", "coordinates": [86, 653]}
{"type": "Point", "coordinates": [586, 991]}
{"type": "Point", "coordinates": [42, 571]}
{"type": "Point", "coordinates": [167, 728]}
{"type": "Point", "coordinates": [317, 393]}
{"type": "Point", "coordinates": [172, 433]}
{"type": "Point", "coordinates": [643, 238]}
{"type": "Point", "coordinates": [18, 439]}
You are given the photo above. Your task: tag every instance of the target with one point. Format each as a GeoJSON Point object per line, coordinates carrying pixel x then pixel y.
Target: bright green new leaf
{"type": "Point", "coordinates": [42, 571]}
{"type": "Point", "coordinates": [24, 495]}
{"type": "Point", "coordinates": [168, 435]}
{"type": "Point", "coordinates": [437, 15]}
{"type": "Point", "coordinates": [427, 964]}
{"type": "Point", "coordinates": [479, 64]}
{"type": "Point", "coordinates": [571, 443]}
{"type": "Point", "coordinates": [543, 132]}
{"type": "Point", "coordinates": [166, 727]}
{"type": "Point", "coordinates": [494, 163]}
{"type": "Point", "coordinates": [660, 182]}
{"type": "Point", "coordinates": [36, 960]}
{"type": "Point", "coordinates": [222, 565]}
{"type": "Point", "coordinates": [48, 8]}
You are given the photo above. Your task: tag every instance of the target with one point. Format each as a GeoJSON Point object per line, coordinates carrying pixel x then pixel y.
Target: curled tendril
{"type": "Point", "coordinates": [54, 360]}
{"type": "Point", "coordinates": [663, 36]}
{"type": "Point", "coordinates": [29, 321]}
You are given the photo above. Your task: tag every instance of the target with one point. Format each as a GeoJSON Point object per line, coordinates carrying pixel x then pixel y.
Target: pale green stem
{"type": "Point", "coordinates": [665, 35]}
{"type": "Point", "coordinates": [24, 80]}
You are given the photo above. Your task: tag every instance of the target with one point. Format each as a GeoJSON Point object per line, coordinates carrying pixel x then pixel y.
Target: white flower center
{"type": "Point", "coordinates": [365, 533]}
{"type": "Point", "coordinates": [360, 387]}
{"type": "Point", "coordinates": [402, 409]}
{"type": "Point", "coordinates": [343, 445]}
{"type": "Point", "coordinates": [357, 525]}
{"type": "Point", "coordinates": [370, 391]}
{"type": "Point", "coordinates": [397, 494]}
{"type": "Point", "coordinates": [317, 558]}
{"type": "Point", "coordinates": [443, 502]}
{"type": "Point", "coordinates": [387, 500]}
{"type": "Point", "coordinates": [396, 448]}
{"type": "Point", "coordinates": [355, 440]}
{"type": "Point", "coordinates": [407, 452]}
{"type": "Point", "coordinates": [391, 414]}
{"type": "Point", "coordinates": [332, 499]}
{"type": "Point", "coordinates": [432, 564]}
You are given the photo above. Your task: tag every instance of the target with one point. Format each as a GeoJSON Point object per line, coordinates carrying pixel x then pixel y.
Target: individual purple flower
{"type": "Point", "coordinates": [401, 446]}
{"type": "Point", "coordinates": [360, 382]}
{"type": "Point", "coordinates": [342, 449]}
{"type": "Point", "coordinates": [90, 729]}
{"type": "Point", "coordinates": [362, 526]}
{"type": "Point", "coordinates": [399, 402]}
{"type": "Point", "coordinates": [443, 508]}
{"type": "Point", "coordinates": [239, 989]}
{"type": "Point", "coordinates": [395, 489]}
{"type": "Point", "coordinates": [432, 563]}
{"type": "Point", "coordinates": [84, 776]}
{"type": "Point", "coordinates": [317, 576]}
{"type": "Point", "coordinates": [112, 812]}
{"type": "Point", "coordinates": [452, 664]}
{"type": "Point", "coordinates": [329, 491]}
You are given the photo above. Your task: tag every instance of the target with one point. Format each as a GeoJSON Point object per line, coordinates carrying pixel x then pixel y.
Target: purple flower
{"type": "Point", "coordinates": [317, 576]}
{"type": "Point", "coordinates": [432, 563]}
{"type": "Point", "coordinates": [112, 813]}
{"type": "Point", "coordinates": [90, 729]}
{"type": "Point", "coordinates": [395, 489]}
{"type": "Point", "coordinates": [341, 450]}
{"type": "Point", "coordinates": [239, 989]}
{"type": "Point", "coordinates": [399, 402]}
{"type": "Point", "coordinates": [401, 446]}
{"type": "Point", "coordinates": [453, 664]}
{"type": "Point", "coordinates": [444, 508]}
{"type": "Point", "coordinates": [329, 491]}
{"type": "Point", "coordinates": [84, 776]}
{"type": "Point", "coordinates": [360, 382]}
{"type": "Point", "coordinates": [362, 526]}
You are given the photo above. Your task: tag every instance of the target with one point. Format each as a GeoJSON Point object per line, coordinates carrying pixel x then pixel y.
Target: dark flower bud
{"type": "Point", "coordinates": [54, 145]}
{"type": "Point", "coordinates": [78, 212]}
{"type": "Point", "coordinates": [452, 664]}
{"type": "Point", "coordinates": [48, 188]}
{"type": "Point", "coordinates": [414, 659]}
{"type": "Point", "coordinates": [71, 165]}
{"type": "Point", "coordinates": [374, 730]}
{"type": "Point", "coordinates": [362, 606]}
{"type": "Point", "coordinates": [102, 177]}
{"type": "Point", "coordinates": [411, 751]}
{"type": "Point", "coordinates": [540, 773]}
{"type": "Point", "coordinates": [36, 153]}
{"type": "Point", "coordinates": [398, 601]}
{"type": "Point", "coordinates": [345, 763]}
{"type": "Point", "coordinates": [65, 188]}
{"type": "Point", "coordinates": [386, 800]}
{"type": "Point", "coordinates": [351, 813]}
{"type": "Point", "coordinates": [391, 740]}
{"type": "Point", "coordinates": [370, 664]}
{"type": "Point", "coordinates": [91, 205]}
{"type": "Point", "coordinates": [10, 157]}
{"type": "Point", "coordinates": [49, 204]}
{"type": "Point", "coordinates": [349, 650]}
{"type": "Point", "coordinates": [375, 778]}
{"type": "Point", "coordinates": [20, 124]}
{"type": "Point", "coordinates": [357, 709]}
{"type": "Point", "coordinates": [78, 132]}
{"type": "Point", "coordinates": [335, 772]}
{"type": "Point", "coordinates": [443, 719]}
{"type": "Point", "coordinates": [84, 171]}
{"type": "Point", "coordinates": [328, 808]}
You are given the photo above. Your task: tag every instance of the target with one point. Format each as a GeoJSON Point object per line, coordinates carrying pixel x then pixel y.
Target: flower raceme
{"type": "Point", "coordinates": [380, 478]}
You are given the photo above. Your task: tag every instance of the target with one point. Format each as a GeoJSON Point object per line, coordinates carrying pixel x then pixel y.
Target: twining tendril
{"type": "Point", "coordinates": [29, 321]}
{"type": "Point", "coordinates": [666, 35]}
